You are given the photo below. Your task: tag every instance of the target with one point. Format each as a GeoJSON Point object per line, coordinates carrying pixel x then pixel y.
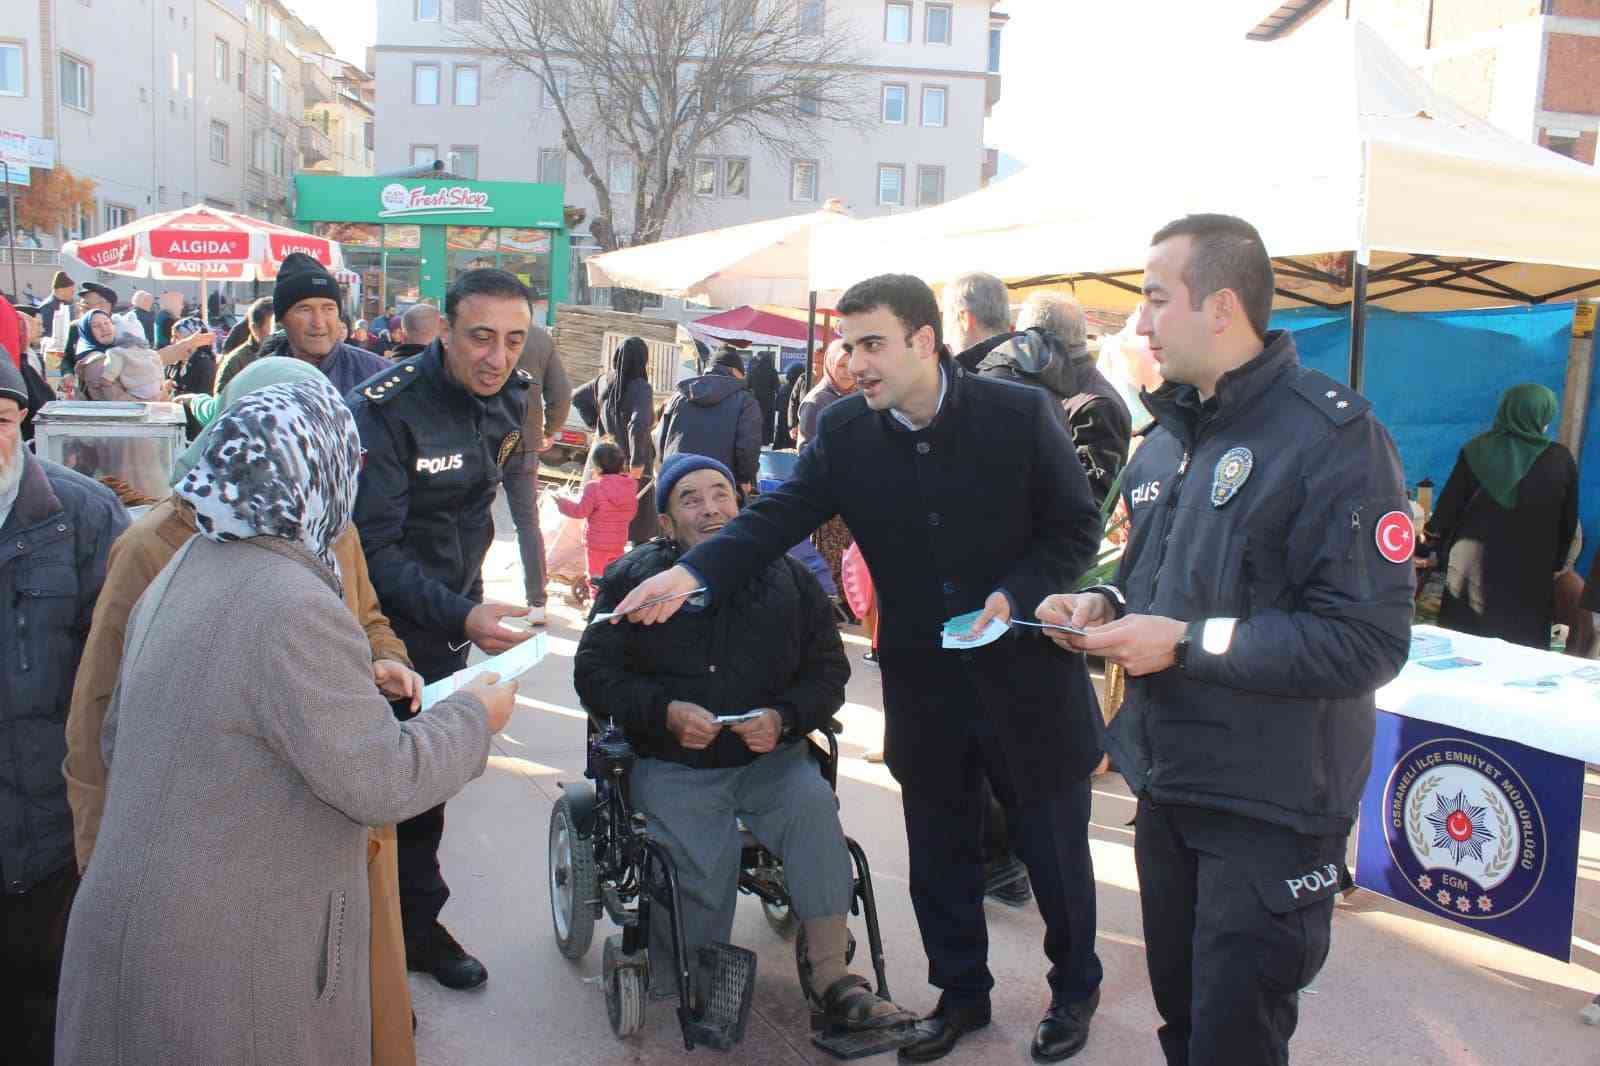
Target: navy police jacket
{"type": "Point", "coordinates": [1274, 520]}
{"type": "Point", "coordinates": [433, 458]}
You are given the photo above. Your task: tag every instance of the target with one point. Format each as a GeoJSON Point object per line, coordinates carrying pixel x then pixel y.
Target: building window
{"type": "Point", "coordinates": [736, 178]}
{"type": "Point", "coordinates": [275, 95]}
{"type": "Point", "coordinates": [1563, 142]}
{"type": "Point", "coordinates": [705, 177]}
{"type": "Point", "coordinates": [621, 177]}
{"type": "Point", "coordinates": [219, 142]}
{"type": "Point", "coordinates": [933, 105]}
{"type": "Point", "coordinates": [425, 84]}
{"type": "Point", "coordinates": [811, 17]}
{"type": "Point", "coordinates": [13, 82]}
{"type": "Point", "coordinates": [740, 90]}
{"type": "Point", "coordinates": [77, 83]}
{"type": "Point", "coordinates": [897, 22]}
{"type": "Point", "coordinates": [279, 155]}
{"type": "Point", "coordinates": [427, 10]}
{"type": "Point", "coordinates": [803, 180]}
{"type": "Point", "coordinates": [930, 186]}
{"type": "Point", "coordinates": [220, 54]}
{"type": "Point", "coordinates": [466, 94]}
{"type": "Point", "coordinates": [257, 12]}
{"type": "Point", "coordinates": [424, 155]}
{"type": "Point", "coordinates": [810, 105]}
{"type": "Point", "coordinates": [258, 150]}
{"type": "Point", "coordinates": [469, 11]}
{"type": "Point", "coordinates": [891, 185]}
{"type": "Point", "coordinates": [560, 93]}
{"type": "Point", "coordinates": [464, 161]}
{"type": "Point", "coordinates": [118, 215]}
{"type": "Point", "coordinates": [258, 79]}
{"type": "Point", "coordinates": [894, 104]}
{"type": "Point", "coordinates": [552, 166]}
{"type": "Point", "coordinates": [936, 30]}
{"type": "Point", "coordinates": [240, 69]}
{"type": "Point", "coordinates": [994, 49]}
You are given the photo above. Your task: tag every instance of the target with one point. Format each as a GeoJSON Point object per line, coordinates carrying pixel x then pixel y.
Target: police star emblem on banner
{"type": "Point", "coordinates": [1459, 827]}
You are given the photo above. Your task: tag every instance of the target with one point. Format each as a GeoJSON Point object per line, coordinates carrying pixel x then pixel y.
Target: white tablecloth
{"type": "Point", "coordinates": [1564, 719]}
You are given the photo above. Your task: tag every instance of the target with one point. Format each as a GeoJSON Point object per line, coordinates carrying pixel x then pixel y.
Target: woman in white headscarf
{"type": "Point", "coordinates": [225, 916]}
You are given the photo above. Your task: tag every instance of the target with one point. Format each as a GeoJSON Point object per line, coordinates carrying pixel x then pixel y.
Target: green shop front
{"type": "Point", "coordinates": [409, 238]}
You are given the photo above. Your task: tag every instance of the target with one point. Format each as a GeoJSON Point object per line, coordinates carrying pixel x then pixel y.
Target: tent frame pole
{"type": "Point", "coordinates": [811, 334]}
{"type": "Point", "coordinates": [1358, 328]}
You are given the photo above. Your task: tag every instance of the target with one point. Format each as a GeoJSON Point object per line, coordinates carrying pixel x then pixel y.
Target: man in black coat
{"type": "Point", "coordinates": [769, 648]}
{"type": "Point", "coordinates": [1264, 597]}
{"type": "Point", "coordinates": [946, 529]}
{"type": "Point", "coordinates": [436, 429]}
{"type": "Point", "coordinates": [717, 415]}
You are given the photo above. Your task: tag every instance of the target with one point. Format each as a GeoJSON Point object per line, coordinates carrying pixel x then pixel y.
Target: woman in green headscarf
{"type": "Point", "coordinates": [1505, 523]}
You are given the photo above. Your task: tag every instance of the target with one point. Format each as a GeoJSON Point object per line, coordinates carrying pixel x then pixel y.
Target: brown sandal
{"type": "Point", "coordinates": [849, 1005]}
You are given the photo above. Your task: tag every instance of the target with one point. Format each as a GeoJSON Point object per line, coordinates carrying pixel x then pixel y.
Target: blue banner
{"type": "Point", "coordinates": [1480, 830]}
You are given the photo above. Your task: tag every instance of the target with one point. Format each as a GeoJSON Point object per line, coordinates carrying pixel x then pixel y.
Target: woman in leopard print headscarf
{"type": "Point", "coordinates": [280, 462]}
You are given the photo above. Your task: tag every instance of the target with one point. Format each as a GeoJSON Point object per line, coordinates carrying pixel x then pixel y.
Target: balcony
{"type": "Point", "coordinates": [315, 145]}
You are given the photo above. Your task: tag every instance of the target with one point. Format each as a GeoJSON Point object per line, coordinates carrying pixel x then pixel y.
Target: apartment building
{"type": "Point", "coordinates": [1528, 66]}
{"type": "Point", "coordinates": [339, 104]}
{"type": "Point", "coordinates": [166, 103]}
{"type": "Point", "coordinates": [929, 70]}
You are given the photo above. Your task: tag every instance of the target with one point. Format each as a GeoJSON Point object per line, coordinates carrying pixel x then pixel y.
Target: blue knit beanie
{"type": "Point", "coordinates": [674, 470]}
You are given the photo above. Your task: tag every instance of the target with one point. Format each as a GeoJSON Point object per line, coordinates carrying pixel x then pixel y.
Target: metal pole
{"type": "Point", "coordinates": [811, 334]}
{"type": "Point", "coordinates": [1358, 329]}
{"type": "Point", "coordinates": [11, 229]}
{"type": "Point", "coordinates": [1580, 374]}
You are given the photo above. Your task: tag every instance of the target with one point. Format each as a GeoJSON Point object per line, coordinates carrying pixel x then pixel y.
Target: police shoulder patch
{"type": "Point", "coordinates": [1338, 402]}
{"type": "Point", "coordinates": [385, 386]}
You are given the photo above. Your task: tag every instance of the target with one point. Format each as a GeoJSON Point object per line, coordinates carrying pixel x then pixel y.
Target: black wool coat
{"type": "Point", "coordinates": [989, 497]}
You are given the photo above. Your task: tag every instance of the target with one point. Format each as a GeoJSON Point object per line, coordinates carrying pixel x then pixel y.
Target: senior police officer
{"type": "Point", "coordinates": [1264, 596]}
{"type": "Point", "coordinates": [436, 428]}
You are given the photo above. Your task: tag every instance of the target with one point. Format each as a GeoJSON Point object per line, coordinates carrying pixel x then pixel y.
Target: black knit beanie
{"type": "Point", "coordinates": [12, 387]}
{"type": "Point", "coordinates": [301, 278]}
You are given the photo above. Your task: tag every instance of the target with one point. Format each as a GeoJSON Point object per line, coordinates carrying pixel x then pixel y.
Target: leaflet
{"type": "Point", "coordinates": [508, 664]}
{"type": "Point", "coordinates": [955, 632]}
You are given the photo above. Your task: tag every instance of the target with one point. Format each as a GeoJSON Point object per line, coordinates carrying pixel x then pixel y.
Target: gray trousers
{"type": "Point", "coordinates": [520, 476]}
{"type": "Point", "coordinates": [783, 799]}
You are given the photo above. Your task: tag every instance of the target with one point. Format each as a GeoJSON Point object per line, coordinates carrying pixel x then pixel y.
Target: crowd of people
{"type": "Point", "coordinates": [222, 832]}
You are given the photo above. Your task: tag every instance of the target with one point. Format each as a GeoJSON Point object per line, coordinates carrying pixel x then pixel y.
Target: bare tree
{"type": "Point", "coordinates": [661, 82]}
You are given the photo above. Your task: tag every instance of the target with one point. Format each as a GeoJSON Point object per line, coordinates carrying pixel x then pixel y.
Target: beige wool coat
{"type": "Point", "coordinates": [225, 917]}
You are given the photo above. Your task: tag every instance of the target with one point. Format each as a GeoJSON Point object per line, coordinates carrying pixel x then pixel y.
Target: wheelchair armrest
{"type": "Point", "coordinates": [834, 727]}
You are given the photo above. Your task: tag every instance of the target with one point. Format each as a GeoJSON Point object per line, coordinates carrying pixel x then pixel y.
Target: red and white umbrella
{"type": "Point", "coordinates": [201, 244]}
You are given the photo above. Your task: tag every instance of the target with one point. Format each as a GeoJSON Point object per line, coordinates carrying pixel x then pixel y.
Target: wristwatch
{"type": "Point", "coordinates": [1180, 651]}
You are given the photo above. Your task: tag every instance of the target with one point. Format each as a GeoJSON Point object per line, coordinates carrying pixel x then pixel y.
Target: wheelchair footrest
{"type": "Point", "coordinates": [842, 1045]}
{"type": "Point", "coordinates": [725, 981]}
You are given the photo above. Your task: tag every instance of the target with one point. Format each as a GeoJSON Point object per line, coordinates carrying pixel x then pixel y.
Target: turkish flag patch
{"type": "Point", "coordinates": [1396, 537]}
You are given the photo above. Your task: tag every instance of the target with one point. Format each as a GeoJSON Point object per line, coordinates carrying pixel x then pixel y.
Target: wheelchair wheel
{"type": "Point", "coordinates": [624, 979]}
{"type": "Point", "coordinates": [782, 919]}
{"type": "Point", "coordinates": [572, 883]}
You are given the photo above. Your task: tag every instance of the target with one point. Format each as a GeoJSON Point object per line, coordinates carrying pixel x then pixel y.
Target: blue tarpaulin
{"type": "Point", "coordinates": [1434, 379]}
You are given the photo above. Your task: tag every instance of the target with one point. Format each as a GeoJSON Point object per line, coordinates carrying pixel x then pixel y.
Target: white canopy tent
{"type": "Point", "coordinates": [1358, 175]}
{"type": "Point", "coordinates": [758, 263]}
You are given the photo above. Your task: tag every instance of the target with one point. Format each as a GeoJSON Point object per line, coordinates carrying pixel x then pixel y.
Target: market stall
{"type": "Point", "coordinates": [1472, 808]}
{"type": "Point", "coordinates": [409, 238]}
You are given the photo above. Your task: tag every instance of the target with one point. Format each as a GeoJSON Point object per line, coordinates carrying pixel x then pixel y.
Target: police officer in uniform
{"type": "Point", "coordinates": [1265, 594]}
{"type": "Point", "coordinates": [437, 428]}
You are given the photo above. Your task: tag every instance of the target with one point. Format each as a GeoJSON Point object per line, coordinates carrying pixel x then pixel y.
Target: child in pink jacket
{"type": "Point", "coordinates": [606, 506]}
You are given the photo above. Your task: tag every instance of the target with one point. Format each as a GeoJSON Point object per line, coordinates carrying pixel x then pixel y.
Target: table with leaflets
{"type": "Point", "coordinates": [1473, 805]}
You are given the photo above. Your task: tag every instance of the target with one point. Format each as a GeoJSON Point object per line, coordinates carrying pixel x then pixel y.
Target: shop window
{"type": "Point", "coordinates": [405, 236]}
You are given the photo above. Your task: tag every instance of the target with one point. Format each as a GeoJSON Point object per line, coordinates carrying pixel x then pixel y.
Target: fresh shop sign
{"type": "Point", "coordinates": [399, 200]}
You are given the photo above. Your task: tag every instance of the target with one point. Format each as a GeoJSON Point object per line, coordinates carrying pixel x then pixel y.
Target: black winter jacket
{"type": "Point", "coordinates": [1090, 409]}
{"type": "Point", "coordinates": [434, 453]}
{"type": "Point", "coordinates": [53, 549]}
{"type": "Point", "coordinates": [1276, 723]}
{"type": "Point", "coordinates": [714, 415]}
{"type": "Point", "coordinates": [770, 643]}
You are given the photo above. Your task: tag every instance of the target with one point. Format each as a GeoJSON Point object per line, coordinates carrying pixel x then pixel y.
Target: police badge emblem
{"type": "Point", "coordinates": [508, 446]}
{"type": "Point", "coordinates": [1232, 471]}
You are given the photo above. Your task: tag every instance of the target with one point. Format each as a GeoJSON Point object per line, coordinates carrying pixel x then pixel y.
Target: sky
{"type": "Point", "coordinates": [1071, 67]}
{"type": "Point", "coordinates": [350, 26]}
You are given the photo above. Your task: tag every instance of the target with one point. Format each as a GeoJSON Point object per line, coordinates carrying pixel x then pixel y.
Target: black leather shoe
{"type": "Point", "coordinates": [938, 1032]}
{"type": "Point", "coordinates": [1064, 1030]}
{"type": "Point", "coordinates": [437, 954]}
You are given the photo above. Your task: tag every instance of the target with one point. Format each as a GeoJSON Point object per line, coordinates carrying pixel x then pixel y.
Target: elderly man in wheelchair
{"type": "Point", "coordinates": [708, 722]}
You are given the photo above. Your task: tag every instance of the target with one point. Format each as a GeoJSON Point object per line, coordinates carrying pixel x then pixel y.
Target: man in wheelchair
{"type": "Point", "coordinates": [771, 648]}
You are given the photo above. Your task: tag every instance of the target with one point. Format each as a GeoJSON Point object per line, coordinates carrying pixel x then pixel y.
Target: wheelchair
{"type": "Point", "coordinates": [603, 860]}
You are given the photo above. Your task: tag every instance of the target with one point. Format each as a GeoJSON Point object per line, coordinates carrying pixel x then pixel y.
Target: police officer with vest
{"type": "Point", "coordinates": [437, 428]}
{"type": "Point", "coordinates": [1264, 595]}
